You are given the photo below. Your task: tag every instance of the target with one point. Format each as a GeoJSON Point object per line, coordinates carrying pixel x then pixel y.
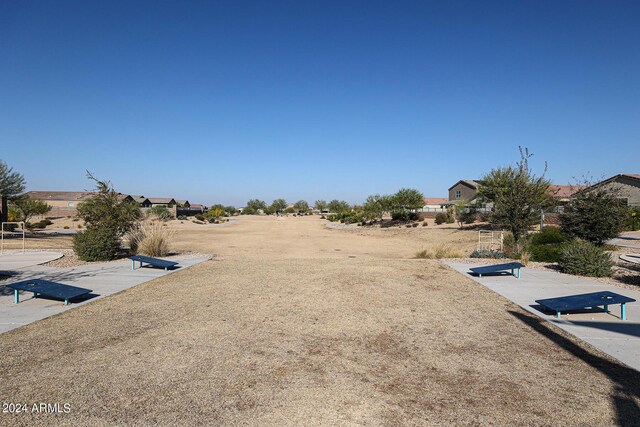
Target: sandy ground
{"type": "Point", "coordinates": [295, 324]}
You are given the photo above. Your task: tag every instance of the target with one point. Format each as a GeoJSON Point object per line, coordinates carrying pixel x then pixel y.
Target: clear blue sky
{"type": "Point", "coordinates": [222, 101]}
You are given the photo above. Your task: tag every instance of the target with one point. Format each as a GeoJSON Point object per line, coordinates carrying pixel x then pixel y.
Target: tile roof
{"type": "Point", "coordinates": [564, 191]}
{"type": "Point", "coordinates": [435, 200]}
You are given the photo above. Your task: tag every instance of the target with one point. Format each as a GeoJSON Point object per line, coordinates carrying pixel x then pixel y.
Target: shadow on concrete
{"type": "Point", "coordinates": [497, 273]}
{"type": "Point", "coordinates": [76, 300]}
{"type": "Point", "coordinates": [626, 328]}
{"type": "Point", "coordinates": [587, 310]}
{"type": "Point", "coordinates": [626, 380]}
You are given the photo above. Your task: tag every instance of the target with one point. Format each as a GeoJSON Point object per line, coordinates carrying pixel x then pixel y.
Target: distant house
{"type": "Point", "coordinates": [464, 190]}
{"type": "Point", "coordinates": [562, 193]}
{"type": "Point", "coordinates": [162, 201]}
{"type": "Point", "coordinates": [197, 207]}
{"type": "Point", "coordinates": [435, 204]}
{"type": "Point", "coordinates": [183, 203]}
{"type": "Point", "coordinates": [142, 201]}
{"type": "Point", "coordinates": [626, 187]}
{"type": "Point", "coordinates": [63, 203]}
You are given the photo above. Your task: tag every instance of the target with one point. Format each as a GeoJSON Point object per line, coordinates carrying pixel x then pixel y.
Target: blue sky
{"type": "Point", "coordinates": [222, 101]}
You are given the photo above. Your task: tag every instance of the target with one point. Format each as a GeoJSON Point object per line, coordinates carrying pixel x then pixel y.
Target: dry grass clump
{"type": "Point", "coordinates": [150, 238]}
{"type": "Point", "coordinates": [438, 251]}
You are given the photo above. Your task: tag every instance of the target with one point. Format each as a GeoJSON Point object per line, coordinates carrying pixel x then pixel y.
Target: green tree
{"type": "Point", "coordinates": [338, 206]}
{"type": "Point", "coordinates": [107, 219]}
{"type": "Point", "coordinates": [24, 208]}
{"type": "Point", "coordinates": [11, 185]}
{"type": "Point", "coordinates": [375, 207]}
{"type": "Point", "coordinates": [301, 206]}
{"type": "Point", "coordinates": [459, 211]}
{"type": "Point", "coordinates": [518, 197]}
{"type": "Point", "coordinates": [408, 199]}
{"type": "Point", "coordinates": [279, 205]}
{"type": "Point", "coordinates": [230, 210]}
{"type": "Point", "coordinates": [254, 206]}
{"type": "Point", "coordinates": [320, 205]}
{"type": "Point", "coordinates": [595, 216]}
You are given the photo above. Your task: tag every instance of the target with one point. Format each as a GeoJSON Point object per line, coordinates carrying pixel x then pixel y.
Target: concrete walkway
{"type": "Point", "coordinates": [104, 279]}
{"type": "Point", "coordinates": [620, 339]}
{"type": "Point", "coordinates": [14, 260]}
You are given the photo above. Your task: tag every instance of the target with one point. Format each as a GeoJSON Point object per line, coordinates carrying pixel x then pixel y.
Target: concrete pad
{"type": "Point", "coordinates": [14, 260]}
{"type": "Point", "coordinates": [104, 279]}
{"type": "Point", "coordinates": [605, 331]}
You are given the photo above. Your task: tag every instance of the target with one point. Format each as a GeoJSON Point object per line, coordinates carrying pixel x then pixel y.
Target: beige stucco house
{"type": "Point", "coordinates": [626, 187]}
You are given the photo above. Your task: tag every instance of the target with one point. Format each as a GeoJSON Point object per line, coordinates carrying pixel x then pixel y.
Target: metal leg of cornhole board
{"type": "Point", "coordinates": [133, 265]}
{"type": "Point", "coordinates": [16, 296]}
{"type": "Point", "coordinates": [606, 308]}
{"type": "Point", "coordinates": [66, 301]}
{"type": "Point", "coordinates": [623, 311]}
{"type": "Point", "coordinates": [518, 273]}
{"type": "Point", "coordinates": [558, 314]}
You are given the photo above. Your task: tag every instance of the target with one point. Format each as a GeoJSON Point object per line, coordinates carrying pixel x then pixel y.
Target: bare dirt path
{"type": "Point", "coordinates": [294, 324]}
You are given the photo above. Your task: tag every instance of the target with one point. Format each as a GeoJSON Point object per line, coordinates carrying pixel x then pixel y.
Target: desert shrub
{"type": "Point", "coordinates": [487, 253]}
{"type": "Point", "coordinates": [96, 244]}
{"type": "Point", "coordinates": [160, 212]}
{"type": "Point", "coordinates": [545, 253]}
{"type": "Point", "coordinates": [595, 216]}
{"type": "Point", "coordinates": [66, 227]}
{"type": "Point", "coordinates": [425, 223]}
{"type": "Point", "coordinates": [438, 252]}
{"type": "Point", "coordinates": [545, 246]}
{"type": "Point", "coordinates": [404, 215]}
{"type": "Point", "coordinates": [441, 218]}
{"type": "Point", "coordinates": [182, 217]}
{"type": "Point", "coordinates": [150, 238]}
{"type": "Point", "coordinates": [40, 224]}
{"type": "Point", "coordinates": [513, 249]}
{"type": "Point", "coordinates": [585, 259]}
{"type": "Point", "coordinates": [10, 227]}
{"type": "Point", "coordinates": [548, 235]}
{"type": "Point", "coordinates": [200, 217]}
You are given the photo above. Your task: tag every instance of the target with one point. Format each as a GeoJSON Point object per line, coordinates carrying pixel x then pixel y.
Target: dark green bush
{"type": "Point", "coordinates": [441, 218]}
{"type": "Point", "coordinates": [200, 217]}
{"type": "Point", "coordinates": [404, 215]}
{"type": "Point", "coordinates": [585, 259]}
{"type": "Point", "coordinates": [545, 246]}
{"type": "Point", "coordinates": [548, 235]}
{"type": "Point", "coordinates": [545, 253]}
{"type": "Point", "coordinates": [96, 244]}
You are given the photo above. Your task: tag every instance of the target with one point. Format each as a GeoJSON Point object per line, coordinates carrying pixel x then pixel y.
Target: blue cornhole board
{"type": "Point", "coordinates": [497, 268]}
{"type": "Point", "coordinates": [156, 262]}
{"type": "Point", "coordinates": [594, 299]}
{"type": "Point", "coordinates": [47, 288]}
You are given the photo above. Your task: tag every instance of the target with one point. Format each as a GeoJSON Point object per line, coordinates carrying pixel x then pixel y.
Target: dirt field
{"type": "Point", "coordinates": [295, 324]}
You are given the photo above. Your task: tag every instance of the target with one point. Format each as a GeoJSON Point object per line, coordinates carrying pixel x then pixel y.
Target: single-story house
{"type": "Point", "coordinates": [63, 203]}
{"type": "Point", "coordinates": [435, 204]}
{"type": "Point", "coordinates": [183, 203]}
{"type": "Point", "coordinates": [626, 186]}
{"type": "Point", "coordinates": [162, 201]}
{"type": "Point", "coordinates": [563, 193]}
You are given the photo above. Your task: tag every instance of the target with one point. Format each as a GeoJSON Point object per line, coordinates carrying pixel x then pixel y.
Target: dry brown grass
{"type": "Point", "coordinates": [439, 251]}
{"type": "Point", "coordinates": [294, 324]}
